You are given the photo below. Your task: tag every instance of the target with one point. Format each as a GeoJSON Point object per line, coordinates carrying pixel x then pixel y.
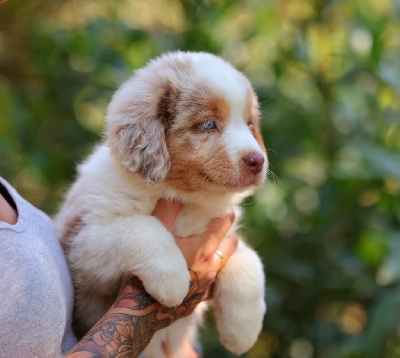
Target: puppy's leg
{"type": "Point", "coordinates": [239, 300]}
{"type": "Point", "coordinates": [155, 348]}
{"type": "Point", "coordinates": [138, 245]}
{"type": "Point", "coordinates": [173, 338]}
{"type": "Point", "coordinates": [183, 331]}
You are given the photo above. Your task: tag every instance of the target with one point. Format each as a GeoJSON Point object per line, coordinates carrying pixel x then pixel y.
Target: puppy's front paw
{"type": "Point", "coordinates": [239, 300]}
{"type": "Point", "coordinates": [168, 288]}
{"type": "Point", "coordinates": [240, 325]}
{"type": "Point", "coordinates": [168, 280]}
{"type": "Point", "coordinates": [152, 255]}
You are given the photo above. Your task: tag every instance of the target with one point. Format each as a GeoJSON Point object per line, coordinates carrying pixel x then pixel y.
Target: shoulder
{"type": "Point", "coordinates": [26, 213]}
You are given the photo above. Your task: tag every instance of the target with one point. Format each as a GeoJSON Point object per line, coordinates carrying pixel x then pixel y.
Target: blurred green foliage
{"type": "Point", "coordinates": [327, 73]}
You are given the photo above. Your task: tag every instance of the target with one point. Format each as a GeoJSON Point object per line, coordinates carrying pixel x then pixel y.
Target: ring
{"type": "Point", "coordinates": [223, 258]}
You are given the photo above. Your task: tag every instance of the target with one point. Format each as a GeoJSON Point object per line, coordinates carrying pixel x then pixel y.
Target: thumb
{"type": "Point", "coordinates": [167, 212]}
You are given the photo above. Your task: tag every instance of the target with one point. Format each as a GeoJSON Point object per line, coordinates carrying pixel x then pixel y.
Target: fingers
{"type": "Point", "coordinates": [228, 245]}
{"type": "Point", "coordinates": [224, 250]}
{"type": "Point", "coordinates": [216, 232]}
{"type": "Point", "coordinates": [201, 247]}
{"type": "Point", "coordinates": [166, 212]}
{"type": "Point", "coordinates": [217, 260]}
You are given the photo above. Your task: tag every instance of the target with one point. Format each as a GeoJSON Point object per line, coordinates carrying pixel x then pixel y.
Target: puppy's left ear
{"type": "Point", "coordinates": [137, 125]}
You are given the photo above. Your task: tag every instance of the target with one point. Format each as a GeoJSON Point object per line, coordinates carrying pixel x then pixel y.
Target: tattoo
{"type": "Point", "coordinates": [134, 295]}
{"type": "Point", "coordinates": [127, 328]}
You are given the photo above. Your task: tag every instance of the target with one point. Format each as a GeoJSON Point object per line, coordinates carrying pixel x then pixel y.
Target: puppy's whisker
{"type": "Point", "coordinates": [251, 202]}
{"type": "Point", "coordinates": [204, 180]}
{"type": "Point", "coordinates": [270, 174]}
{"type": "Point", "coordinates": [205, 184]}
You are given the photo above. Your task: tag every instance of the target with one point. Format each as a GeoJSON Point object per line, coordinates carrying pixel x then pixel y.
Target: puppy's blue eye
{"type": "Point", "coordinates": [210, 124]}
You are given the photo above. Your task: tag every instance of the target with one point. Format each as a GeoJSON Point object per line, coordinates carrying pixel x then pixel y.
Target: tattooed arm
{"type": "Point", "coordinates": [128, 326]}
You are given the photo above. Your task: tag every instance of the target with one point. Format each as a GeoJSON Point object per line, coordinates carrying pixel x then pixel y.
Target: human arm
{"type": "Point", "coordinates": [128, 326]}
{"type": "Point", "coordinates": [7, 212]}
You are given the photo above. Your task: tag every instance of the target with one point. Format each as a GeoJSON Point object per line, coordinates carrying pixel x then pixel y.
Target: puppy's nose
{"type": "Point", "coordinates": [254, 161]}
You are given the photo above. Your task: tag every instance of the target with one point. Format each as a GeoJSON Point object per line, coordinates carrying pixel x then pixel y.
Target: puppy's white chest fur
{"type": "Point", "coordinates": [191, 220]}
{"type": "Point", "coordinates": [199, 210]}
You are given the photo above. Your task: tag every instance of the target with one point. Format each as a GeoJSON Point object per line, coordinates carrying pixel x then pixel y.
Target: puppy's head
{"type": "Point", "coordinates": [191, 120]}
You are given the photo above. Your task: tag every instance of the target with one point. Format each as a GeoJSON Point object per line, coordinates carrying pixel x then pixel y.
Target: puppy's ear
{"type": "Point", "coordinates": [137, 126]}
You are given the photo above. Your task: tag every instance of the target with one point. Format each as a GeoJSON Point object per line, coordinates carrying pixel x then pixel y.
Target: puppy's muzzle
{"type": "Point", "coordinates": [254, 162]}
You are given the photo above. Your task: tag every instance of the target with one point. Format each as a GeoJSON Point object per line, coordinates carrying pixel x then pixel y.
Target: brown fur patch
{"type": "Point", "coordinates": [194, 170]}
{"type": "Point", "coordinates": [71, 228]}
{"type": "Point", "coordinates": [252, 113]}
{"type": "Point", "coordinates": [219, 107]}
{"type": "Point", "coordinates": [202, 104]}
{"type": "Point", "coordinates": [249, 114]}
{"type": "Point", "coordinates": [167, 105]}
{"type": "Point", "coordinates": [198, 157]}
{"type": "Point", "coordinates": [194, 166]}
{"type": "Point", "coordinates": [137, 122]}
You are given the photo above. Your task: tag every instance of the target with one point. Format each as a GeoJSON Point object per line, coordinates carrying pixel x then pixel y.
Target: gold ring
{"type": "Point", "coordinates": [222, 257]}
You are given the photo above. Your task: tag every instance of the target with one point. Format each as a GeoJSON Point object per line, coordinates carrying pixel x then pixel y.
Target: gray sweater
{"type": "Point", "coordinates": [36, 294]}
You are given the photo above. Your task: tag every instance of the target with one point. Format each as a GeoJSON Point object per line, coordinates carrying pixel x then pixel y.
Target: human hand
{"type": "Point", "coordinates": [200, 250]}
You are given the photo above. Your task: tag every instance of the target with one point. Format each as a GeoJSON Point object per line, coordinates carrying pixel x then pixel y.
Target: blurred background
{"type": "Point", "coordinates": [327, 73]}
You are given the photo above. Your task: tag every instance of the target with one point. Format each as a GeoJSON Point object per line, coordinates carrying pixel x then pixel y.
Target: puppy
{"type": "Point", "coordinates": [184, 127]}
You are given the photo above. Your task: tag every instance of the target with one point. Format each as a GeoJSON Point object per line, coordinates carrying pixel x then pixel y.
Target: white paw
{"type": "Point", "coordinates": [167, 280]}
{"type": "Point", "coordinates": [239, 300]}
{"type": "Point", "coordinates": [239, 327]}
{"type": "Point", "coordinates": [151, 254]}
